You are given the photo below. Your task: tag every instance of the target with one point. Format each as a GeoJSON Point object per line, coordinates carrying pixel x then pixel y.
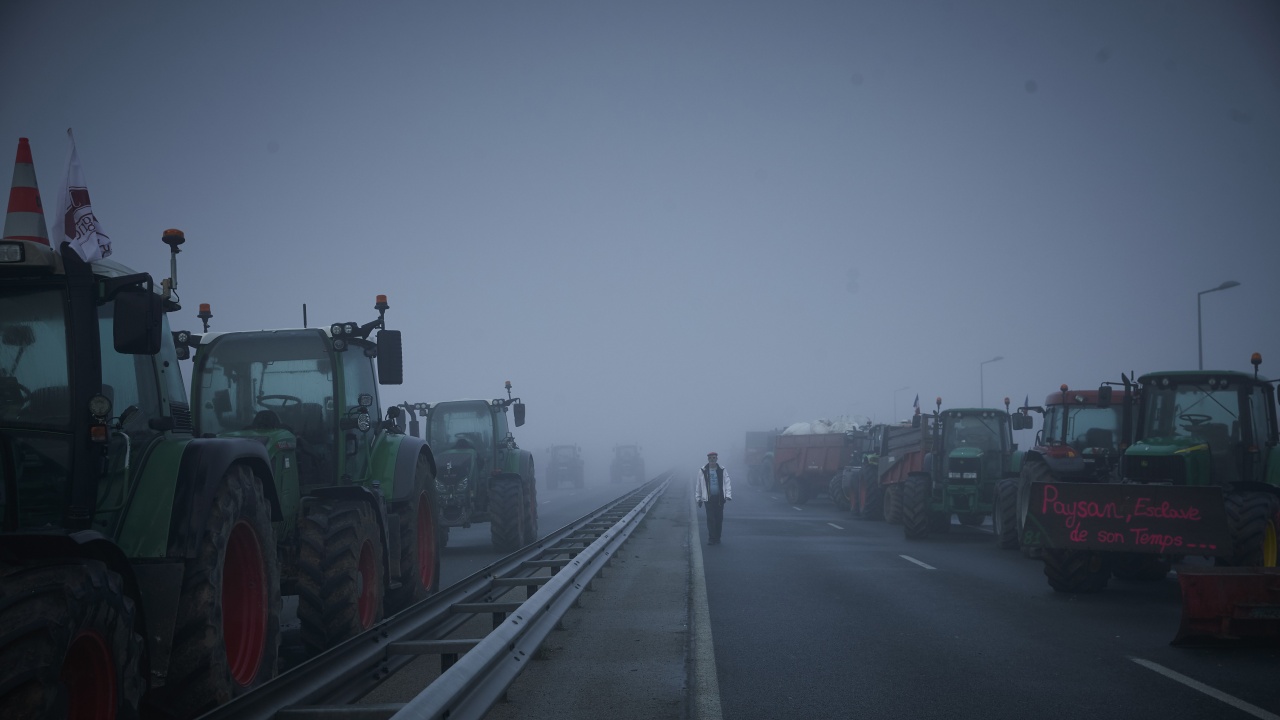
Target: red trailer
{"type": "Point", "coordinates": [805, 464]}
{"type": "Point", "coordinates": [893, 453]}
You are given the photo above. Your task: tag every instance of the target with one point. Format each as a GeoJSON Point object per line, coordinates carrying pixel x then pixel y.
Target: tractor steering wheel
{"type": "Point", "coordinates": [1195, 418]}
{"type": "Point", "coordinates": [284, 400]}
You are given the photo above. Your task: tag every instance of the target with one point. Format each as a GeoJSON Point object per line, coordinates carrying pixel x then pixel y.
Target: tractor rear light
{"type": "Point", "coordinates": [336, 329]}
{"type": "Point", "coordinates": [12, 252]}
{"type": "Point", "coordinates": [98, 433]}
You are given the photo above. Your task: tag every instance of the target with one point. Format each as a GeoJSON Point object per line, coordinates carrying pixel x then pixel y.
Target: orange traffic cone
{"type": "Point", "coordinates": [25, 220]}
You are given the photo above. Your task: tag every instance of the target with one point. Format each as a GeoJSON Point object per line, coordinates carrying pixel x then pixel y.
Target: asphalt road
{"type": "Point", "coordinates": [817, 615]}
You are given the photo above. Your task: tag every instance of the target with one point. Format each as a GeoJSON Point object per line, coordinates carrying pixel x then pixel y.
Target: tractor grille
{"type": "Point", "coordinates": [1156, 469]}
{"type": "Point", "coordinates": [964, 471]}
{"type": "Point", "coordinates": [452, 469]}
{"type": "Point", "coordinates": [181, 413]}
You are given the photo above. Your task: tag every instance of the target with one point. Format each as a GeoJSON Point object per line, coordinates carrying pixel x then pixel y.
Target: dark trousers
{"type": "Point", "coordinates": [715, 517]}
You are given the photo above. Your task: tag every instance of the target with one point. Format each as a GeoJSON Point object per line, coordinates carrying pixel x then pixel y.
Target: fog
{"type": "Point", "coordinates": [667, 223]}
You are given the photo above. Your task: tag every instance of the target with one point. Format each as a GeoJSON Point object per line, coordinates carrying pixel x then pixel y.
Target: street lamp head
{"type": "Point", "coordinates": [998, 357]}
{"type": "Point", "coordinates": [1228, 284]}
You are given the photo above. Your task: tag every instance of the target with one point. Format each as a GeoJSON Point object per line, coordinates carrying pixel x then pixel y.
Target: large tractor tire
{"type": "Point", "coordinates": [531, 513]}
{"type": "Point", "coordinates": [67, 643]}
{"type": "Point", "coordinates": [1252, 519]}
{"type": "Point", "coordinates": [1076, 571]}
{"type": "Point", "coordinates": [1004, 514]}
{"type": "Point", "coordinates": [869, 496]}
{"type": "Point", "coordinates": [340, 572]}
{"type": "Point", "coordinates": [506, 514]}
{"type": "Point", "coordinates": [1137, 567]}
{"type": "Point", "coordinates": [839, 496]}
{"type": "Point", "coordinates": [419, 549]}
{"type": "Point", "coordinates": [915, 506]}
{"type": "Point", "coordinates": [1033, 470]}
{"type": "Point", "coordinates": [794, 491]}
{"type": "Point", "coordinates": [227, 636]}
{"type": "Point", "coordinates": [893, 503]}
{"type": "Point", "coordinates": [768, 479]}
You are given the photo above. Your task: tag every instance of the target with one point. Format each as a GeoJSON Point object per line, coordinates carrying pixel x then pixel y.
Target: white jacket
{"type": "Point", "coordinates": [700, 490]}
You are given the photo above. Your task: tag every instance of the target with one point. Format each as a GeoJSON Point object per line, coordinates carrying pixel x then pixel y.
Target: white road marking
{"type": "Point", "coordinates": [835, 526]}
{"type": "Point", "coordinates": [793, 507]}
{"type": "Point", "coordinates": [1231, 700]}
{"type": "Point", "coordinates": [706, 685]}
{"type": "Point", "coordinates": [926, 566]}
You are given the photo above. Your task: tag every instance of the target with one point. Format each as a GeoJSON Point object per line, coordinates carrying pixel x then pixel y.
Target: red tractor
{"type": "Point", "coordinates": [1079, 441]}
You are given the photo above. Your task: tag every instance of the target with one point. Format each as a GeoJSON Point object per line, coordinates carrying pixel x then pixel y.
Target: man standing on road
{"type": "Point", "coordinates": [712, 487]}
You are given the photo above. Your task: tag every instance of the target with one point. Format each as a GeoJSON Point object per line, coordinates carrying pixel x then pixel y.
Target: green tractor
{"type": "Point", "coordinates": [137, 560]}
{"type": "Point", "coordinates": [973, 450]}
{"type": "Point", "coordinates": [484, 476]}
{"type": "Point", "coordinates": [1201, 478]}
{"type": "Point", "coordinates": [359, 535]}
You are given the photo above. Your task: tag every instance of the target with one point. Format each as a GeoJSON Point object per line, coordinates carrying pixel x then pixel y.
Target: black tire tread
{"type": "Point", "coordinates": [915, 507]}
{"type": "Point", "coordinates": [506, 514]}
{"type": "Point", "coordinates": [411, 589]}
{"type": "Point", "coordinates": [1247, 516]}
{"type": "Point", "coordinates": [42, 609]}
{"type": "Point", "coordinates": [330, 537]}
{"type": "Point", "coordinates": [1004, 516]}
{"type": "Point", "coordinates": [1076, 571]}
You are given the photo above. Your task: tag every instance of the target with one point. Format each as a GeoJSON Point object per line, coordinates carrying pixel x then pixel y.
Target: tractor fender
{"type": "Point", "coordinates": [154, 587]}
{"type": "Point", "coordinates": [1059, 467]}
{"type": "Point", "coordinates": [1255, 487]}
{"type": "Point", "coordinates": [204, 462]}
{"type": "Point", "coordinates": [396, 459]}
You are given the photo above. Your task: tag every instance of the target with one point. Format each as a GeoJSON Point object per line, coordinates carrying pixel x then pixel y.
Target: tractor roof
{"type": "Point", "coordinates": [1081, 397]}
{"type": "Point", "coordinates": [1201, 377]}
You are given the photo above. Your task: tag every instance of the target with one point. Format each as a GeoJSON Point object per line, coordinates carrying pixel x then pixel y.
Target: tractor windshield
{"type": "Point", "coordinates": [460, 427]}
{"type": "Point", "coordinates": [1082, 426]}
{"type": "Point", "coordinates": [562, 454]}
{"type": "Point", "coordinates": [986, 431]}
{"type": "Point", "coordinates": [1198, 411]}
{"type": "Point", "coordinates": [265, 380]}
{"type": "Point", "coordinates": [33, 360]}
{"type": "Point", "coordinates": [627, 453]}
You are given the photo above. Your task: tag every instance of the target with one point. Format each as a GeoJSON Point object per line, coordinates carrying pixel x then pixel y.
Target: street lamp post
{"type": "Point", "coordinates": [1199, 328]}
{"type": "Point", "coordinates": [982, 391]}
{"type": "Point", "coordinates": [895, 401]}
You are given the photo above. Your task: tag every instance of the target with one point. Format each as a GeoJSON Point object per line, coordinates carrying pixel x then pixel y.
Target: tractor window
{"type": "Point", "coordinates": [1261, 431]}
{"type": "Point", "coordinates": [1091, 427]}
{"type": "Point", "coordinates": [460, 428]}
{"type": "Point", "coordinates": [130, 383]}
{"type": "Point", "coordinates": [1194, 411]}
{"type": "Point", "coordinates": [236, 386]}
{"type": "Point", "coordinates": [357, 373]}
{"type": "Point", "coordinates": [986, 432]}
{"type": "Point", "coordinates": [33, 359]}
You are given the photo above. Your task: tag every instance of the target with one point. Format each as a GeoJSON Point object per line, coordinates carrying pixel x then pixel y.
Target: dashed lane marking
{"type": "Point", "coordinates": [835, 526]}
{"type": "Point", "coordinates": [927, 566]}
{"type": "Point", "coordinates": [793, 507]}
{"type": "Point", "coordinates": [1214, 693]}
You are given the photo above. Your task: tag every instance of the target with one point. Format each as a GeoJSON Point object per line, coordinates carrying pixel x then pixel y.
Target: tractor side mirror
{"type": "Point", "coordinates": [519, 412]}
{"type": "Point", "coordinates": [390, 358]}
{"type": "Point", "coordinates": [1104, 396]}
{"type": "Point", "coordinates": [1022, 421]}
{"type": "Point", "coordinates": [136, 324]}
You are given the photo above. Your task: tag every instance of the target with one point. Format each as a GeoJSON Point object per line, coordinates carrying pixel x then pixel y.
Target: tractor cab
{"type": "Point", "coordinates": [1204, 428]}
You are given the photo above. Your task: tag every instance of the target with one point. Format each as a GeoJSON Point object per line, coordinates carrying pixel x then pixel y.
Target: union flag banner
{"type": "Point", "coordinates": [75, 222]}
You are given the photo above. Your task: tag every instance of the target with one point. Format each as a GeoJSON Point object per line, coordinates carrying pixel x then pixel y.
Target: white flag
{"type": "Point", "coordinates": [75, 222]}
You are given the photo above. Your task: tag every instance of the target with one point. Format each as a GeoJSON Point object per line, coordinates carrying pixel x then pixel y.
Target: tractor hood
{"type": "Point", "coordinates": [965, 452]}
{"type": "Point", "coordinates": [1166, 446]}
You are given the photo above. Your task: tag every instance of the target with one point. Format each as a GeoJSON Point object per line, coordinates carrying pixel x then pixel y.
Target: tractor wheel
{"type": "Point", "coordinates": [340, 572]}
{"type": "Point", "coordinates": [531, 514]}
{"type": "Point", "coordinates": [793, 491]}
{"type": "Point", "coordinates": [1076, 571]}
{"type": "Point", "coordinates": [893, 503]}
{"type": "Point", "coordinates": [69, 647]}
{"type": "Point", "coordinates": [1137, 567]}
{"type": "Point", "coordinates": [227, 636]}
{"type": "Point", "coordinates": [1004, 514]}
{"type": "Point", "coordinates": [768, 480]}
{"type": "Point", "coordinates": [839, 497]}
{"type": "Point", "coordinates": [1033, 470]}
{"type": "Point", "coordinates": [419, 555]}
{"type": "Point", "coordinates": [1252, 518]}
{"type": "Point", "coordinates": [506, 514]}
{"type": "Point", "coordinates": [870, 496]}
{"type": "Point", "coordinates": [972, 519]}
{"type": "Point", "coordinates": [915, 506]}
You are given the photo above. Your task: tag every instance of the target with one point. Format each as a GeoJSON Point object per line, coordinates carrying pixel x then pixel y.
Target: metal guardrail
{"type": "Point", "coordinates": [475, 671]}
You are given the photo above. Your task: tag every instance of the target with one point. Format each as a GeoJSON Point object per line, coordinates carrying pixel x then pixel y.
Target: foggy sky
{"type": "Point", "coordinates": [670, 222]}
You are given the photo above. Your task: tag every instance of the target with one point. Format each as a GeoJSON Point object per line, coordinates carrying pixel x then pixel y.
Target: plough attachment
{"type": "Point", "coordinates": [1225, 604]}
